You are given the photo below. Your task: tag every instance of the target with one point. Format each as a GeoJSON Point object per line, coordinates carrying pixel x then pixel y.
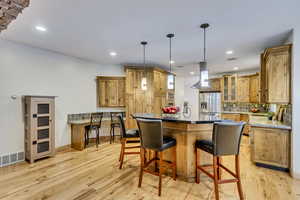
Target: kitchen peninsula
{"type": "Point", "coordinates": [186, 130]}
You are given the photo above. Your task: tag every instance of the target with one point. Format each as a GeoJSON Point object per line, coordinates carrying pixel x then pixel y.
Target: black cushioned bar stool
{"type": "Point", "coordinates": [127, 136]}
{"type": "Point", "coordinates": [225, 141]}
{"type": "Point", "coordinates": [95, 124]}
{"type": "Point", "coordinates": [151, 133]}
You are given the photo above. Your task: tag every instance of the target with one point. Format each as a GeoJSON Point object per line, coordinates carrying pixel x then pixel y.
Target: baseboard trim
{"type": "Point", "coordinates": [272, 167]}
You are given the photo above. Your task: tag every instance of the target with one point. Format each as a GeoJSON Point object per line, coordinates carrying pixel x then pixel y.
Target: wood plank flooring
{"type": "Point", "coordinates": [94, 175]}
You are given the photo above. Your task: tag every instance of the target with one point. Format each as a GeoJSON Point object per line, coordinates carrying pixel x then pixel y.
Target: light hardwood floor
{"type": "Point", "coordinates": [94, 175]}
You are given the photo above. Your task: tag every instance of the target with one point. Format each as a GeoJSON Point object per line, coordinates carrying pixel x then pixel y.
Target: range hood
{"type": "Point", "coordinates": [202, 84]}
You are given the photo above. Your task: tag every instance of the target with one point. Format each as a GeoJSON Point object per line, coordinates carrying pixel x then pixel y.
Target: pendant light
{"type": "Point", "coordinates": [203, 82]}
{"type": "Point", "coordinates": [171, 76]}
{"type": "Point", "coordinates": [170, 36]}
{"type": "Point", "coordinates": [144, 78]}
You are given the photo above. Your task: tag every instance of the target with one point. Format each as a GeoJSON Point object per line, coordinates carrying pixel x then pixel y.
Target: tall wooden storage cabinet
{"type": "Point", "coordinates": [151, 100]}
{"type": "Point", "coordinates": [276, 74]}
{"type": "Point", "coordinates": [39, 127]}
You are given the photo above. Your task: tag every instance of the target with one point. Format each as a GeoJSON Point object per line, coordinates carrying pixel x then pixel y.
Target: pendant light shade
{"type": "Point", "coordinates": [144, 78]}
{"type": "Point", "coordinates": [203, 82]}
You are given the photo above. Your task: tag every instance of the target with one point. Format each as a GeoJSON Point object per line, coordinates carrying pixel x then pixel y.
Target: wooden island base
{"type": "Point", "coordinates": [186, 135]}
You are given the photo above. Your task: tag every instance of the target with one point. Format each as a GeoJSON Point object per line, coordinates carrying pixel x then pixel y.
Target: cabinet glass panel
{"type": "Point", "coordinates": [226, 88]}
{"type": "Point", "coordinates": [233, 88]}
{"type": "Point", "coordinates": [43, 121]}
{"type": "Point", "coordinates": [43, 108]}
{"type": "Point", "coordinates": [43, 147]}
{"type": "Point", "coordinates": [43, 134]}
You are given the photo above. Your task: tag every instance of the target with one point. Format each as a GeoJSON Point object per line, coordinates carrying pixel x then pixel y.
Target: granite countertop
{"type": "Point", "coordinates": [180, 118]}
{"type": "Point", "coordinates": [248, 113]}
{"type": "Point", "coordinates": [260, 121]}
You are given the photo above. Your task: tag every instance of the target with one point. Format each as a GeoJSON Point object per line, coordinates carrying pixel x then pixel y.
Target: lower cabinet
{"type": "Point", "coordinates": [271, 148]}
{"type": "Point", "coordinates": [238, 118]}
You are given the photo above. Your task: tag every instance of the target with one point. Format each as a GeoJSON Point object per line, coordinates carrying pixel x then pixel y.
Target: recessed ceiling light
{"type": "Point", "coordinates": [192, 73]}
{"type": "Point", "coordinates": [41, 28]}
{"type": "Point", "coordinates": [229, 52]}
{"type": "Point", "coordinates": [235, 68]}
{"type": "Point", "coordinates": [172, 62]}
{"type": "Point", "coordinates": [112, 53]}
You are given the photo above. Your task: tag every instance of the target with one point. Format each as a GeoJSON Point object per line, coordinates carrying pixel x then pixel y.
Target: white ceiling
{"type": "Point", "coordinates": [90, 29]}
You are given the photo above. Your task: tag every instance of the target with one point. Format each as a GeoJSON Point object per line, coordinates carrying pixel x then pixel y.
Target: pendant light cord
{"type": "Point", "coordinates": [170, 55]}
{"type": "Point", "coordinates": [204, 55]}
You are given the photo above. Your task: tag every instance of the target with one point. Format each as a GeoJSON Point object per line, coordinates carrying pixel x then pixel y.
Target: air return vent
{"type": "Point", "coordinates": [11, 158]}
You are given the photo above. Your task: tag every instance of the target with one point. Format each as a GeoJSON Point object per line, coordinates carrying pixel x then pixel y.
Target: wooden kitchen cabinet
{"type": "Point", "coordinates": [151, 100]}
{"type": "Point", "coordinates": [229, 88]}
{"type": "Point", "coordinates": [271, 147]}
{"type": "Point", "coordinates": [254, 88]}
{"type": "Point", "coordinates": [243, 89]}
{"type": "Point", "coordinates": [276, 72]}
{"type": "Point", "coordinates": [238, 117]}
{"type": "Point", "coordinates": [215, 84]}
{"type": "Point", "coordinates": [111, 91]}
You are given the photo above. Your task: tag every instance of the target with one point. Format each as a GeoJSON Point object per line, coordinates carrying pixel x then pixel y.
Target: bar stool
{"type": "Point", "coordinates": [152, 138]}
{"type": "Point", "coordinates": [226, 141]}
{"type": "Point", "coordinates": [127, 136]}
{"type": "Point", "coordinates": [95, 124]}
{"type": "Point", "coordinates": [114, 123]}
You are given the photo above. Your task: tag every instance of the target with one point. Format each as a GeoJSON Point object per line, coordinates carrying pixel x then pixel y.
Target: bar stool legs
{"type": "Point", "coordinates": [124, 152]}
{"type": "Point", "coordinates": [237, 171]}
{"type": "Point", "coordinates": [162, 164]}
{"type": "Point", "coordinates": [217, 175]}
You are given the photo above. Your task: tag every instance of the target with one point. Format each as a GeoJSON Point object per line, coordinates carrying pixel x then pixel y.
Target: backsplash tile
{"type": "Point", "coordinates": [244, 107]}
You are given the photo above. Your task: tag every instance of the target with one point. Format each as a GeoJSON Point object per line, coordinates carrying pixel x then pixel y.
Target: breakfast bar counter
{"type": "Point", "coordinates": [186, 131]}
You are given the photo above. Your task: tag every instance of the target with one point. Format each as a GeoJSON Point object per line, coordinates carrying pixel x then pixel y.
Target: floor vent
{"type": "Point", "coordinates": [11, 158]}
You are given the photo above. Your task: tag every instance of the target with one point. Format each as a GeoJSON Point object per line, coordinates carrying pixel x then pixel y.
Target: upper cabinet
{"type": "Point", "coordinates": [243, 89]}
{"type": "Point", "coordinates": [275, 72]}
{"type": "Point", "coordinates": [229, 88]}
{"type": "Point", "coordinates": [111, 91]}
{"type": "Point", "coordinates": [254, 88]}
{"type": "Point", "coordinates": [215, 84]}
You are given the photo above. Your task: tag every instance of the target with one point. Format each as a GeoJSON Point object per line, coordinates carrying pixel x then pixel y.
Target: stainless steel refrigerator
{"type": "Point", "coordinates": [210, 104]}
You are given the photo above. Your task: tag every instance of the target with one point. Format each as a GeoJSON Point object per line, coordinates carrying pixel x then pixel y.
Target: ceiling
{"type": "Point", "coordinates": [91, 29]}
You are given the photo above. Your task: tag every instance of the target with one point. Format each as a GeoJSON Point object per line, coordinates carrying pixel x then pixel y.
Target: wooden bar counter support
{"type": "Point", "coordinates": [186, 135]}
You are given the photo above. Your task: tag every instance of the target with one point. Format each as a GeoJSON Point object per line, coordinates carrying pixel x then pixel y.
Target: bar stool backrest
{"type": "Point", "coordinates": [96, 119]}
{"type": "Point", "coordinates": [227, 138]}
{"type": "Point", "coordinates": [122, 126]}
{"type": "Point", "coordinates": [114, 116]}
{"type": "Point", "coordinates": [151, 133]}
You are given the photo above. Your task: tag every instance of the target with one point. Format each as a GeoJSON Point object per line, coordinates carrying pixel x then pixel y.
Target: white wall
{"type": "Point", "coordinates": [184, 92]}
{"type": "Point", "coordinates": [31, 71]}
{"type": "Point", "coordinates": [296, 102]}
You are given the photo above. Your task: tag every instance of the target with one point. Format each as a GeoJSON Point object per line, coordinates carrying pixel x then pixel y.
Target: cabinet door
{"type": "Point", "coordinates": [233, 88]}
{"type": "Point", "coordinates": [112, 93]}
{"type": "Point", "coordinates": [163, 83]}
{"type": "Point", "coordinates": [263, 91]}
{"type": "Point", "coordinates": [157, 83]}
{"type": "Point", "coordinates": [233, 117]}
{"type": "Point", "coordinates": [254, 89]}
{"type": "Point", "coordinates": [271, 146]}
{"type": "Point", "coordinates": [243, 89]}
{"type": "Point", "coordinates": [278, 77]}
{"type": "Point", "coordinates": [121, 92]}
{"type": "Point", "coordinates": [42, 127]}
{"type": "Point", "coordinates": [225, 83]}
{"type": "Point", "coordinates": [102, 95]}
{"type": "Point", "coordinates": [215, 84]}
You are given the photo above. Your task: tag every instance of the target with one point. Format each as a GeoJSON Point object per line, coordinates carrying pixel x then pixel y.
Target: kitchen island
{"type": "Point", "coordinates": [186, 131]}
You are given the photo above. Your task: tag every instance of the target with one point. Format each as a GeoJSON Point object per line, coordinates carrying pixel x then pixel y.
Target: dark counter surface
{"type": "Point", "coordinates": [205, 119]}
